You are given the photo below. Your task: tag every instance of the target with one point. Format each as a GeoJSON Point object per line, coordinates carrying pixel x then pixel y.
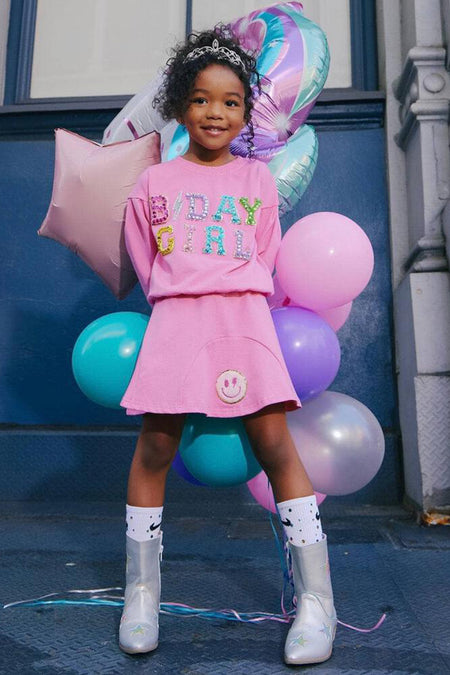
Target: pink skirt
{"type": "Point", "coordinates": [213, 354]}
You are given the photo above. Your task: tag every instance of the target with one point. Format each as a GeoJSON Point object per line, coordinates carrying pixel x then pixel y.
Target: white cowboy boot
{"type": "Point", "coordinates": [310, 638]}
{"type": "Point", "coordinates": [139, 624]}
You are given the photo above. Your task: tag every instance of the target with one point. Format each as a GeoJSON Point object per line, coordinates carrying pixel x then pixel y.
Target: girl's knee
{"type": "Point", "coordinates": [268, 439]}
{"type": "Point", "coordinates": [272, 446]}
{"type": "Point", "coordinates": [158, 441]}
{"type": "Point", "coordinates": [156, 450]}
{"type": "Point", "coordinates": [273, 458]}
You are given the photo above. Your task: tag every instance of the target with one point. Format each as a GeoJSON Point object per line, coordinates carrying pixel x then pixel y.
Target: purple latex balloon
{"type": "Point", "coordinates": [178, 466]}
{"type": "Point", "coordinates": [310, 348]}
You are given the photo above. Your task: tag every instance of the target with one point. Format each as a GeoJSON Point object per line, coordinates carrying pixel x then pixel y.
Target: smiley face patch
{"type": "Point", "coordinates": [231, 386]}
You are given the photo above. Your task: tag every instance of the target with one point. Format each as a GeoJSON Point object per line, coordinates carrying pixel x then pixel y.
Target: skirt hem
{"type": "Point", "coordinates": [135, 409]}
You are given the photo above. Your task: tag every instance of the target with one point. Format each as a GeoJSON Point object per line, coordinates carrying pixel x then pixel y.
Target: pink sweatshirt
{"type": "Point", "coordinates": [192, 229]}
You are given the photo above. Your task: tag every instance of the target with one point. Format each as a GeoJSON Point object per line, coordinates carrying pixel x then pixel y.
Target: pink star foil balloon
{"type": "Point", "coordinates": [90, 189]}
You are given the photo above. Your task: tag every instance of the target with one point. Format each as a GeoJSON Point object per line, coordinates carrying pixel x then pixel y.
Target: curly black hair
{"type": "Point", "coordinates": [172, 99]}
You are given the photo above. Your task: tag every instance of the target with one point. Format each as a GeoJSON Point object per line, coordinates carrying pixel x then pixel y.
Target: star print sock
{"type": "Point", "coordinates": [143, 523]}
{"type": "Point", "coordinates": [301, 520]}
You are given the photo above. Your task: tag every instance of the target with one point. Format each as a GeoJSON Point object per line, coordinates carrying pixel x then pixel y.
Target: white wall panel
{"type": "Point", "coordinates": [4, 23]}
{"type": "Point", "coordinates": [107, 47]}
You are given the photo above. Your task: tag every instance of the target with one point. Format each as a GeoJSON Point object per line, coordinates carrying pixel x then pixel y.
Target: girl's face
{"type": "Point", "coordinates": [215, 114]}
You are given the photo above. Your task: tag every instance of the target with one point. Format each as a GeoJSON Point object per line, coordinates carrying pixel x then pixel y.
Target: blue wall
{"type": "Point", "coordinates": [48, 296]}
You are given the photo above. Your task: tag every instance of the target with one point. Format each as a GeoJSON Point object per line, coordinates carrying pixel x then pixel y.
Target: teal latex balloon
{"type": "Point", "coordinates": [216, 451]}
{"type": "Point", "coordinates": [105, 354]}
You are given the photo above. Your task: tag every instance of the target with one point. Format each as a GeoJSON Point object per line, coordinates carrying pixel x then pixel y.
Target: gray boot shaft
{"type": "Point", "coordinates": [143, 563]}
{"type": "Point", "coordinates": [310, 638]}
{"type": "Point", "coordinates": [311, 571]}
{"type": "Point", "coordinates": [139, 625]}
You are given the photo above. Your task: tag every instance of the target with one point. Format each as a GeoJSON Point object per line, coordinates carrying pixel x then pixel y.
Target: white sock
{"type": "Point", "coordinates": [301, 520]}
{"type": "Point", "coordinates": [143, 523]}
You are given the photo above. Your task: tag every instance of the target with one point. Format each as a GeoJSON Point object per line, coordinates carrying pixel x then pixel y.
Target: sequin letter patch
{"type": "Point", "coordinates": [159, 210]}
{"type": "Point", "coordinates": [231, 386]}
{"type": "Point", "coordinates": [168, 248]}
{"type": "Point", "coordinates": [250, 220]}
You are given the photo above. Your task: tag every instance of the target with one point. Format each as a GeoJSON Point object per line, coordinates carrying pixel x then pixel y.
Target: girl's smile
{"type": "Point", "coordinates": [215, 115]}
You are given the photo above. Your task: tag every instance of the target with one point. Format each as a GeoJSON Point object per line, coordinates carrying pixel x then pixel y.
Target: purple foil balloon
{"type": "Point", "coordinates": [266, 145]}
{"type": "Point", "coordinates": [310, 348]}
{"type": "Point", "coordinates": [293, 61]}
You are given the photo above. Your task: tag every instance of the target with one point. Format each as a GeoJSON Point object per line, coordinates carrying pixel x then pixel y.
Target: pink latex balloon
{"type": "Point", "coordinates": [325, 260]}
{"type": "Point", "coordinates": [261, 490]}
{"type": "Point", "coordinates": [90, 189]}
{"type": "Point", "coordinates": [336, 316]}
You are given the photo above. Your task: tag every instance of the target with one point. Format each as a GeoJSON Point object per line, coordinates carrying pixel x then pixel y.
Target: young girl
{"type": "Point", "coordinates": [203, 232]}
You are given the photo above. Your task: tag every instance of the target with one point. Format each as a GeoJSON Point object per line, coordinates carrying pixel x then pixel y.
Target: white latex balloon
{"type": "Point", "coordinates": [339, 441]}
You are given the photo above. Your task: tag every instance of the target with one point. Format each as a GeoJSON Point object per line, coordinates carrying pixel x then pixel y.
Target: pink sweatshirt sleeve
{"type": "Point", "coordinates": [268, 232]}
{"type": "Point", "coordinates": [139, 240]}
{"type": "Point", "coordinates": [268, 236]}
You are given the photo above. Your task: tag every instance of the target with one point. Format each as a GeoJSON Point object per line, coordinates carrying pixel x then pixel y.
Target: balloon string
{"type": "Point", "coordinates": [228, 614]}
{"type": "Point", "coordinates": [178, 609]}
{"type": "Point", "coordinates": [170, 608]}
{"type": "Point", "coordinates": [42, 598]}
{"type": "Point", "coordinates": [286, 567]}
{"type": "Point", "coordinates": [364, 630]}
{"type": "Point", "coordinates": [103, 597]}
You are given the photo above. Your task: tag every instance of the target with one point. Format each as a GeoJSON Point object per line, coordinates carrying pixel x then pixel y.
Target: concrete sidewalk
{"type": "Point", "coordinates": [220, 552]}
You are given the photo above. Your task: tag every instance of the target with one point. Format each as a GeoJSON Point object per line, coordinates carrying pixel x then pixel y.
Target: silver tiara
{"type": "Point", "coordinates": [221, 52]}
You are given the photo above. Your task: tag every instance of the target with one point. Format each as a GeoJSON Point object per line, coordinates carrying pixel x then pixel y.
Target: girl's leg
{"type": "Point", "coordinates": [310, 639]}
{"type": "Point", "coordinates": [274, 449]}
{"type": "Point", "coordinates": [155, 450]}
{"type": "Point", "coordinates": [156, 447]}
